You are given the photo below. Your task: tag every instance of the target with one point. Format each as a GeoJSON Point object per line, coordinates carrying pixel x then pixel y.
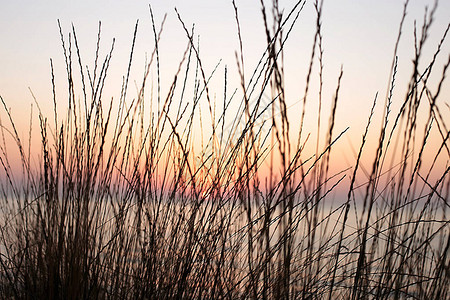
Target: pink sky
{"type": "Point", "coordinates": [359, 35]}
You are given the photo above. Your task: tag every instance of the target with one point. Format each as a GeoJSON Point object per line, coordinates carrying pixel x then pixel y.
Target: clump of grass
{"type": "Point", "coordinates": [124, 206]}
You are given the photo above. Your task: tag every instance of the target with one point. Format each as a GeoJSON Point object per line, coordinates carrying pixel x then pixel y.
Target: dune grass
{"type": "Point", "coordinates": [124, 205]}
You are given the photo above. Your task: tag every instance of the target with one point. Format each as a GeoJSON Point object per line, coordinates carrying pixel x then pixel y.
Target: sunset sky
{"type": "Point", "coordinates": [359, 35]}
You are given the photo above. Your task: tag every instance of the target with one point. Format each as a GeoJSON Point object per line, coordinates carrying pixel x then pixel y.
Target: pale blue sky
{"type": "Point", "coordinates": [357, 33]}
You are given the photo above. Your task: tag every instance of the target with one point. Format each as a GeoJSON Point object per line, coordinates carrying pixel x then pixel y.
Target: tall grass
{"type": "Point", "coordinates": [123, 203]}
